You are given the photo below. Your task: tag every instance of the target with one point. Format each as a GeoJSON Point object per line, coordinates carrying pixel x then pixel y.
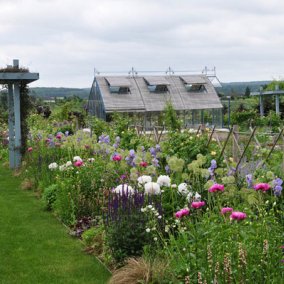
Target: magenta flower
{"type": "Point", "coordinates": [78, 163]}
{"type": "Point", "coordinates": [58, 136]}
{"type": "Point", "coordinates": [197, 204]}
{"type": "Point", "coordinates": [216, 187]}
{"type": "Point", "coordinates": [143, 164]}
{"type": "Point", "coordinates": [262, 186]}
{"type": "Point", "coordinates": [30, 149]}
{"type": "Point", "coordinates": [183, 212]}
{"type": "Point", "coordinates": [117, 157]}
{"type": "Point", "coordinates": [238, 215]}
{"type": "Point", "coordinates": [225, 210]}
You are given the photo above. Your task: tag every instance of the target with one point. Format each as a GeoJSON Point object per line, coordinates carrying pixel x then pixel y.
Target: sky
{"type": "Point", "coordinates": [66, 40]}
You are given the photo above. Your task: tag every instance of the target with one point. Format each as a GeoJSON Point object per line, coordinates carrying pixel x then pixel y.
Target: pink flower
{"type": "Point", "coordinates": [143, 164]}
{"type": "Point", "coordinates": [78, 163]}
{"type": "Point", "coordinates": [87, 146]}
{"type": "Point", "coordinates": [225, 210]}
{"type": "Point", "coordinates": [262, 186]}
{"type": "Point", "coordinates": [30, 149]}
{"type": "Point", "coordinates": [197, 204]}
{"type": "Point", "coordinates": [117, 157]}
{"type": "Point", "coordinates": [216, 187]}
{"type": "Point", "coordinates": [58, 136]}
{"type": "Point", "coordinates": [238, 215]}
{"type": "Point", "coordinates": [181, 213]}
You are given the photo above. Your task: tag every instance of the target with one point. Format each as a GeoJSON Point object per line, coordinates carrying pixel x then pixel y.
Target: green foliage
{"type": "Point", "coordinates": [127, 237]}
{"type": "Point", "coordinates": [239, 118]}
{"type": "Point", "coordinates": [49, 196]}
{"type": "Point", "coordinates": [25, 109]}
{"type": "Point", "coordinates": [171, 119]}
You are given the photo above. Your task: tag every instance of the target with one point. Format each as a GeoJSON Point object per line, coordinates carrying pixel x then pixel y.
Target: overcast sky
{"type": "Point", "coordinates": [64, 40]}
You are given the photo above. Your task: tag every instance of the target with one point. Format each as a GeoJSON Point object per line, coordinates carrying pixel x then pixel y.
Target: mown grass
{"type": "Point", "coordinates": [35, 247]}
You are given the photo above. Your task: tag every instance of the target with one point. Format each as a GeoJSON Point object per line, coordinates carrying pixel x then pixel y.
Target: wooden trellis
{"type": "Point", "coordinates": [13, 76]}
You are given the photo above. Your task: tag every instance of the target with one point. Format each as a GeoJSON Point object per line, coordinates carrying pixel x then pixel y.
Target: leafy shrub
{"type": "Point", "coordinates": [49, 196]}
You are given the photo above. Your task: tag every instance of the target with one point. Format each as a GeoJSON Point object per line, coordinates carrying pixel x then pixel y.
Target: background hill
{"type": "Point", "coordinates": [227, 89]}
{"type": "Point", "coordinates": [46, 92]}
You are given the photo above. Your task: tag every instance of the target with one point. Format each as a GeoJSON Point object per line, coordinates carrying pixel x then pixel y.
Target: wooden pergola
{"type": "Point", "coordinates": [277, 93]}
{"type": "Point", "coordinates": [13, 76]}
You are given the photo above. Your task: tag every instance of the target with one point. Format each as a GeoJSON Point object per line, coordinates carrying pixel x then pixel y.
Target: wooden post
{"type": "Point", "coordinates": [261, 108]}
{"type": "Point", "coordinates": [11, 123]}
{"type": "Point", "coordinates": [17, 114]}
{"type": "Point", "coordinates": [235, 142]}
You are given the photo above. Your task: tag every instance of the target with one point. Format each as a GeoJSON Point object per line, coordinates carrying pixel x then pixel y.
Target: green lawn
{"type": "Point", "coordinates": [35, 247]}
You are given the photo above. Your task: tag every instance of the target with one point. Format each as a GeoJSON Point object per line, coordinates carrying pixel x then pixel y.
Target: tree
{"type": "Point", "coordinates": [247, 92]}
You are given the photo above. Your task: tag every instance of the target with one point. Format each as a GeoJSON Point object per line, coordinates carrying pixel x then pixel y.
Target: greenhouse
{"type": "Point", "coordinates": [145, 97]}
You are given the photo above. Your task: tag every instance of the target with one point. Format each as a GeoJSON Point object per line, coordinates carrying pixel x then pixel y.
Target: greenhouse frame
{"type": "Point", "coordinates": [145, 97]}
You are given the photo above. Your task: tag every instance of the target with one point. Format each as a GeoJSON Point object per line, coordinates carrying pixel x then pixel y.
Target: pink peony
{"type": "Point", "coordinates": [225, 210]}
{"type": "Point", "coordinates": [30, 149]}
{"type": "Point", "coordinates": [197, 204]}
{"type": "Point", "coordinates": [216, 187]}
{"type": "Point", "coordinates": [182, 212]}
{"type": "Point", "coordinates": [78, 163]}
{"type": "Point", "coordinates": [238, 215]}
{"type": "Point", "coordinates": [262, 186]}
{"type": "Point", "coordinates": [143, 164]}
{"type": "Point", "coordinates": [117, 157]}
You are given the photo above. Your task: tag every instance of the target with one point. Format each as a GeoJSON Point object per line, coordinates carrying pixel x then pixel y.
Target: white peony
{"type": "Point", "coordinates": [197, 196]}
{"type": "Point", "coordinates": [189, 196]}
{"type": "Point", "coordinates": [77, 158]}
{"type": "Point", "coordinates": [152, 188]}
{"type": "Point", "coordinates": [86, 130]}
{"type": "Point", "coordinates": [144, 179]}
{"type": "Point", "coordinates": [124, 189]}
{"type": "Point", "coordinates": [68, 164]}
{"type": "Point", "coordinates": [182, 189]}
{"type": "Point", "coordinates": [164, 180]}
{"type": "Point", "coordinates": [53, 166]}
{"type": "Point", "coordinates": [62, 168]}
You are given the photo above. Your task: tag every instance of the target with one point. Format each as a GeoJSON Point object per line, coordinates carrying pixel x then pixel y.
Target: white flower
{"type": "Point", "coordinates": [68, 164]}
{"type": "Point", "coordinates": [53, 166]}
{"type": "Point", "coordinates": [197, 196]}
{"type": "Point", "coordinates": [77, 158]}
{"type": "Point", "coordinates": [164, 180]}
{"type": "Point", "coordinates": [124, 189]}
{"type": "Point", "coordinates": [144, 179]}
{"type": "Point", "coordinates": [155, 239]}
{"type": "Point", "coordinates": [173, 186]}
{"type": "Point", "coordinates": [189, 196]}
{"type": "Point", "coordinates": [150, 206]}
{"type": "Point", "coordinates": [91, 160]}
{"type": "Point", "coordinates": [191, 130]}
{"type": "Point", "coordinates": [182, 189]}
{"type": "Point", "coordinates": [62, 168]}
{"type": "Point", "coordinates": [87, 130]}
{"type": "Point", "coordinates": [152, 188]}
{"type": "Point", "coordinates": [148, 230]}
{"type": "Point", "coordinates": [159, 217]}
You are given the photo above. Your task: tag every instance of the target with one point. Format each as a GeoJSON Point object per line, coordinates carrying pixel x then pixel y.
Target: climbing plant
{"type": "Point", "coordinates": [25, 107]}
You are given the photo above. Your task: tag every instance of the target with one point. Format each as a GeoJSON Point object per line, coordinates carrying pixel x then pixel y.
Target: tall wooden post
{"type": "Point", "coordinates": [11, 123]}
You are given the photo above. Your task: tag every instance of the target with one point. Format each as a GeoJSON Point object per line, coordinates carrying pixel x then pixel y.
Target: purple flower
{"type": "Point", "coordinates": [153, 151]}
{"type": "Point", "coordinates": [104, 139]}
{"type": "Point", "coordinates": [132, 153]}
{"type": "Point", "coordinates": [167, 168]}
{"type": "Point", "coordinates": [277, 186]}
{"type": "Point", "coordinates": [249, 180]}
{"type": "Point", "coordinates": [155, 162]}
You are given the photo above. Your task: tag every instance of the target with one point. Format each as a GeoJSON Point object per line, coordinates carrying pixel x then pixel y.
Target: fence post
{"type": "Point", "coordinates": [235, 142]}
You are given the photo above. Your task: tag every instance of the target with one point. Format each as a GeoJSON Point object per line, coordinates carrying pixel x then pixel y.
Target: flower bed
{"type": "Point", "coordinates": [175, 204]}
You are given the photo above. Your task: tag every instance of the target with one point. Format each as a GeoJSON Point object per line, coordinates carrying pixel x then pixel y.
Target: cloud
{"type": "Point", "coordinates": [64, 40]}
